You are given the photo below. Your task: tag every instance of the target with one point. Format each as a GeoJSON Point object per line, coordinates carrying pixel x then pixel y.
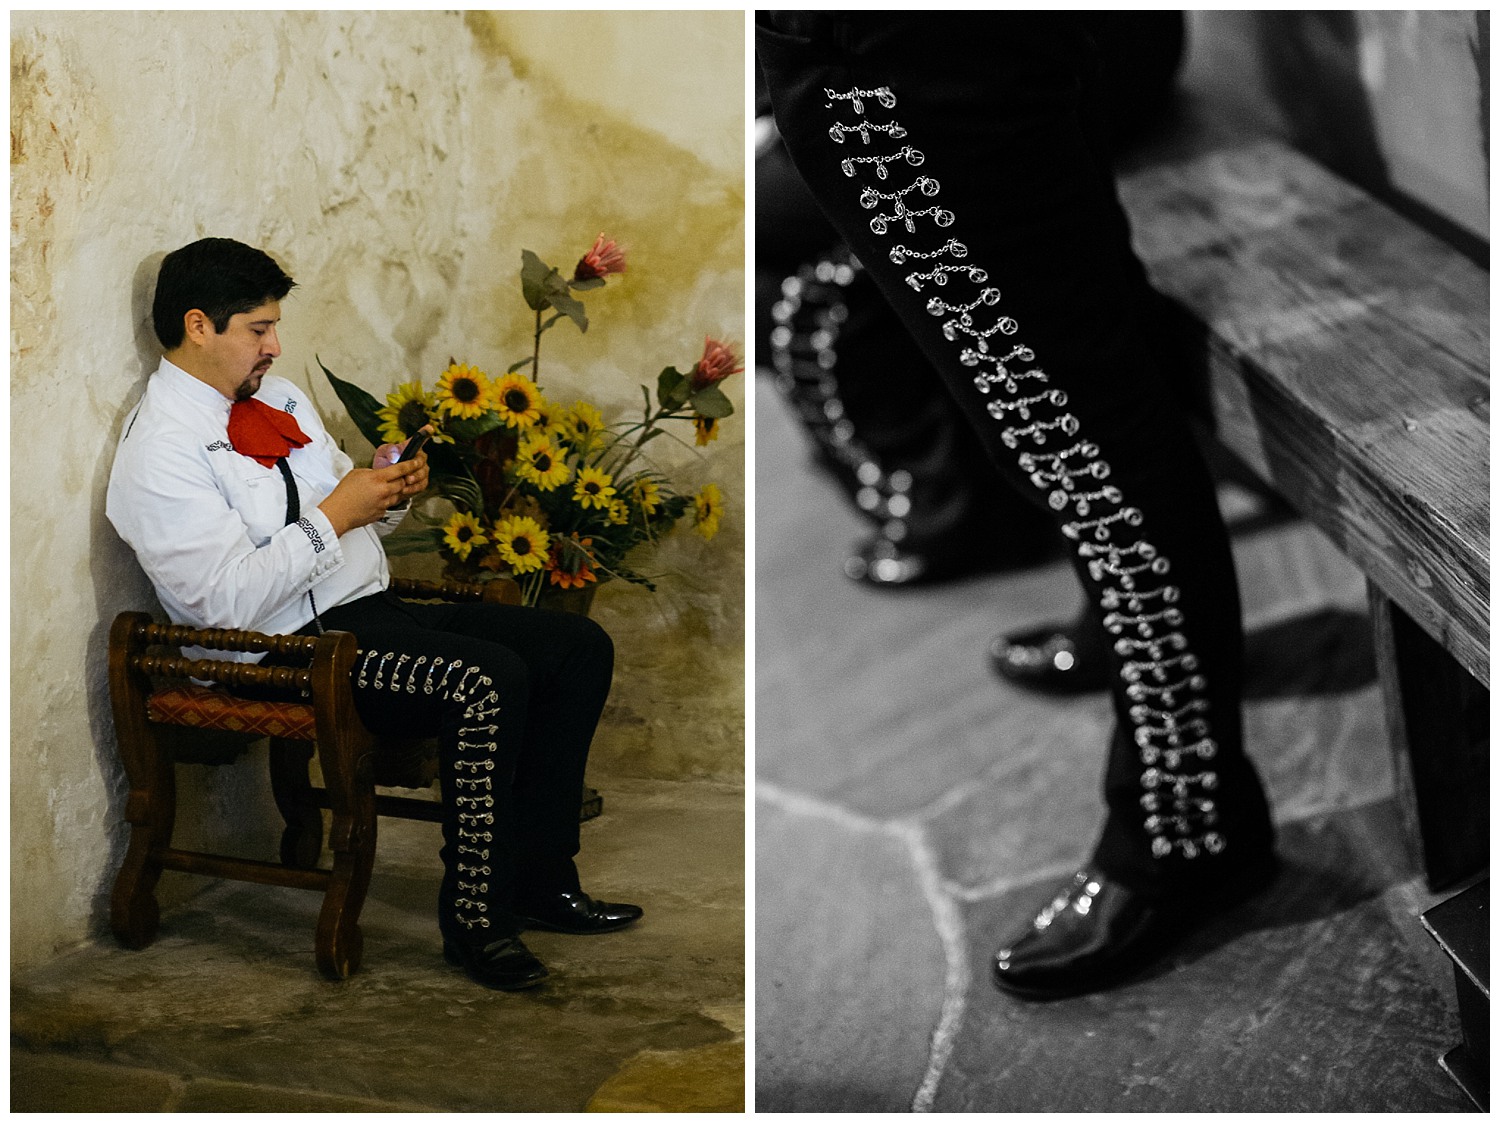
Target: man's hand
{"type": "Point", "coordinates": [391, 453]}
{"type": "Point", "coordinates": [365, 494]}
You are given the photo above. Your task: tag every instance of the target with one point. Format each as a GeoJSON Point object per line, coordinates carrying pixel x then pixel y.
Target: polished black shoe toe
{"type": "Point", "coordinates": [1097, 933]}
{"type": "Point", "coordinates": [1049, 659]}
{"type": "Point", "coordinates": [577, 914]}
{"type": "Point", "coordinates": [503, 964]}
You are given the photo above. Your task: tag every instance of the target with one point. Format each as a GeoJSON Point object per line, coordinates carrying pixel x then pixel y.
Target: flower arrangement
{"type": "Point", "coordinates": [551, 495]}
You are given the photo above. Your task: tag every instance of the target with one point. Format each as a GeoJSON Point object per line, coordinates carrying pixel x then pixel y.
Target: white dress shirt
{"type": "Point", "coordinates": [208, 524]}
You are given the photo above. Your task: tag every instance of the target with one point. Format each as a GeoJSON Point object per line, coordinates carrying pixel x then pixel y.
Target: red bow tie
{"type": "Point", "coordinates": [262, 432]}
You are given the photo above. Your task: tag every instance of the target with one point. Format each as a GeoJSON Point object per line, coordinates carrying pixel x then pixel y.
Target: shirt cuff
{"type": "Point", "coordinates": [327, 555]}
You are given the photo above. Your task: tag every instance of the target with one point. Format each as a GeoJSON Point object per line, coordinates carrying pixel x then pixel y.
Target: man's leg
{"type": "Point", "coordinates": [568, 663]}
{"type": "Point", "coordinates": [510, 793]}
{"type": "Point", "coordinates": [962, 159]}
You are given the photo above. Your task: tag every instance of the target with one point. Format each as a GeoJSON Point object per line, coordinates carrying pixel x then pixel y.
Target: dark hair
{"type": "Point", "coordinates": [218, 276]}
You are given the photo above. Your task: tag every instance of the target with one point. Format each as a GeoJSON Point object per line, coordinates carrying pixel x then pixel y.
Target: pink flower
{"type": "Point", "coordinates": [604, 258]}
{"type": "Point", "coordinates": [718, 363]}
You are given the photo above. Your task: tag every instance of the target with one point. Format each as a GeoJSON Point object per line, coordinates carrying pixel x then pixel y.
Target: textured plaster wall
{"type": "Point", "coordinates": [397, 163]}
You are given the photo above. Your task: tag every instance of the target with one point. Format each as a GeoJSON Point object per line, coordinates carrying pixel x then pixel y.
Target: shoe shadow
{"type": "Point", "coordinates": [1329, 866]}
{"type": "Point", "coordinates": [1331, 651]}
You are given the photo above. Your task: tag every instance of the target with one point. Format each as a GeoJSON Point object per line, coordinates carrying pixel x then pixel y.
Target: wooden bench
{"type": "Point", "coordinates": [1347, 355]}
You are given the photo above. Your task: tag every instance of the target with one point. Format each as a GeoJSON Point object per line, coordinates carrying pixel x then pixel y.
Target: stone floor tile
{"type": "Point", "coordinates": [850, 969]}
{"type": "Point", "coordinates": [709, 1078]}
{"type": "Point", "coordinates": [223, 1095]}
{"type": "Point", "coordinates": [44, 1082]}
{"type": "Point", "coordinates": [1280, 1005]}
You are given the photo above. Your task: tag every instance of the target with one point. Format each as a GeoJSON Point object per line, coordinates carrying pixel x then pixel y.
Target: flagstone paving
{"type": "Point", "coordinates": [226, 1010]}
{"type": "Point", "coordinates": [911, 809]}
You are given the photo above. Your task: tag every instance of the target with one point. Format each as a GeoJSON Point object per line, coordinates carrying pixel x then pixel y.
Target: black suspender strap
{"type": "Point", "coordinates": [293, 513]}
{"type": "Point", "coordinates": [293, 504]}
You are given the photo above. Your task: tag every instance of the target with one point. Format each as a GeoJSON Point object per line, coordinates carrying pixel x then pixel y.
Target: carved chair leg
{"type": "Point", "coordinates": [302, 841]}
{"type": "Point", "coordinates": [340, 943]}
{"type": "Point", "coordinates": [351, 792]}
{"type": "Point", "coordinates": [151, 811]}
{"type": "Point", "coordinates": [151, 806]}
{"type": "Point", "coordinates": [348, 775]}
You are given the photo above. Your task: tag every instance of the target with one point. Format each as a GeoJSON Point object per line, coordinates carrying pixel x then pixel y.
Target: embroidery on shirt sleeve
{"type": "Point", "coordinates": [314, 537]}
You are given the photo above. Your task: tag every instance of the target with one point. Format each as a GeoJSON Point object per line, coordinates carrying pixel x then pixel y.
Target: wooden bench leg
{"type": "Point", "coordinates": [1438, 718]}
{"type": "Point", "coordinates": [302, 841]}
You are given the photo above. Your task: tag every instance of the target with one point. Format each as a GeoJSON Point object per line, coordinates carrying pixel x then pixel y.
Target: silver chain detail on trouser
{"type": "Point", "coordinates": [809, 318]}
{"type": "Point", "coordinates": [1169, 715]}
{"type": "Point", "coordinates": [473, 762]}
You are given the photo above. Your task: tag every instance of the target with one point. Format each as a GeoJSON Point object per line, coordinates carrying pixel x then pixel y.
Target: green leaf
{"type": "Point", "coordinates": [468, 429]}
{"type": "Point", "coordinates": [363, 407]}
{"type": "Point", "coordinates": [573, 309]}
{"type": "Point", "coordinates": [711, 402]}
{"type": "Point", "coordinates": [584, 286]}
{"type": "Point", "coordinates": [462, 491]}
{"type": "Point", "coordinates": [445, 461]}
{"type": "Point", "coordinates": [535, 275]}
{"type": "Point", "coordinates": [672, 388]}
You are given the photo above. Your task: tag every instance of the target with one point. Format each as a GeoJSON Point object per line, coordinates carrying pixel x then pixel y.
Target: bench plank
{"type": "Point", "coordinates": [1348, 359]}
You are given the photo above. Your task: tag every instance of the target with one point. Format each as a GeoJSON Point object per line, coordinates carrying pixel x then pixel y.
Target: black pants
{"type": "Point", "coordinates": [965, 158]}
{"type": "Point", "coordinates": [514, 695]}
{"type": "Point", "coordinates": [876, 412]}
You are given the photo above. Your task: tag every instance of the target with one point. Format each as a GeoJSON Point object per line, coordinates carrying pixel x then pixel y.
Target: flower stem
{"type": "Point", "coordinates": [536, 351]}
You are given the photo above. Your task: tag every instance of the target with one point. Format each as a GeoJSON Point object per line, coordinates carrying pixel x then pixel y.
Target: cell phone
{"type": "Point", "coordinates": [414, 446]}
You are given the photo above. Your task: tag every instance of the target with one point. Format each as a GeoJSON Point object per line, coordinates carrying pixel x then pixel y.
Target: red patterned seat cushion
{"type": "Point", "coordinates": [207, 708]}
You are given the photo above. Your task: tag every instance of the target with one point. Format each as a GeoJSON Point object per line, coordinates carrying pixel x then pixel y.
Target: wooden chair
{"type": "Point", "coordinates": [151, 690]}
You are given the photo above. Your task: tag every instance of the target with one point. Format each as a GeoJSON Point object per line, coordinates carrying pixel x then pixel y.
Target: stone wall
{"type": "Point", "coordinates": [397, 163]}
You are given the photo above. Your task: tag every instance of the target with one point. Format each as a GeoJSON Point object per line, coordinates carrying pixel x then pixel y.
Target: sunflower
{"type": "Point", "coordinates": [646, 494]}
{"type": "Point", "coordinates": [406, 411]}
{"type": "Point", "coordinates": [569, 565]}
{"type": "Point", "coordinates": [707, 429]}
{"type": "Point", "coordinates": [539, 462]}
{"type": "Point", "coordinates": [462, 534]}
{"type": "Point", "coordinates": [582, 422]}
{"type": "Point", "coordinates": [619, 512]}
{"type": "Point", "coordinates": [593, 488]}
{"type": "Point", "coordinates": [463, 391]}
{"type": "Point", "coordinates": [548, 419]}
{"type": "Point", "coordinates": [517, 400]}
{"type": "Point", "coordinates": [708, 509]}
{"type": "Point", "coordinates": [522, 543]}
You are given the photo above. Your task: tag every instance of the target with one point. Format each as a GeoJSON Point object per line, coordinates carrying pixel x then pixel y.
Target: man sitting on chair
{"type": "Point", "coordinates": [245, 514]}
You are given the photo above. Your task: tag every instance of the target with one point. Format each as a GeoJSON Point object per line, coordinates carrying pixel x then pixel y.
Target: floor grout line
{"type": "Point", "coordinates": [799, 803]}
{"type": "Point", "coordinates": [948, 922]}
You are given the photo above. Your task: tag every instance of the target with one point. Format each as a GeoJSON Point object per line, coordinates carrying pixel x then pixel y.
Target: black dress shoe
{"type": "Point", "coordinates": [1052, 659]}
{"type": "Point", "coordinates": [577, 914]}
{"type": "Point", "coordinates": [503, 964]}
{"type": "Point", "coordinates": [1096, 933]}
